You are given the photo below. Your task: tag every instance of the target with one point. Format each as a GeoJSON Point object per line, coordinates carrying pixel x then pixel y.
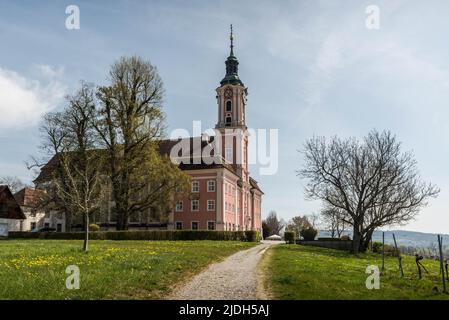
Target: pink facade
{"type": "Point", "coordinates": [217, 202]}
{"type": "Point", "coordinates": [223, 196]}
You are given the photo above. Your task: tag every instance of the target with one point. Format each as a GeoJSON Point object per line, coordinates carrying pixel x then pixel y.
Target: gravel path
{"type": "Point", "coordinates": [235, 278]}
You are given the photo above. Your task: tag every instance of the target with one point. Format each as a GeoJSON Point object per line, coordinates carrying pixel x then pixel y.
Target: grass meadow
{"type": "Point", "coordinates": [296, 272]}
{"type": "Point", "coordinates": [36, 269]}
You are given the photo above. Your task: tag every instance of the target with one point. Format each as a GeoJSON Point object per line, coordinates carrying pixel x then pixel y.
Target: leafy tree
{"type": "Point", "coordinates": [297, 224]}
{"type": "Point", "coordinates": [265, 229]}
{"type": "Point", "coordinates": [130, 122]}
{"type": "Point", "coordinates": [371, 181]}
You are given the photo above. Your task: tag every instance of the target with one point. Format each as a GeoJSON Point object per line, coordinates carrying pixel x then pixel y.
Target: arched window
{"type": "Point", "coordinates": [228, 121]}
{"type": "Point", "coordinates": [228, 106]}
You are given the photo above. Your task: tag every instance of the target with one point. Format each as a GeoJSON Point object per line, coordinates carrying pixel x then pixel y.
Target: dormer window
{"type": "Point", "coordinates": [228, 106]}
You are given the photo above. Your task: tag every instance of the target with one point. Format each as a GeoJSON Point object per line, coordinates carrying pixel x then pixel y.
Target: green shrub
{"type": "Point", "coordinates": [309, 233]}
{"type": "Point", "coordinates": [252, 236]}
{"type": "Point", "coordinates": [377, 248]}
{"type": "Point", "coordinates": [94, 227]}
{"type": "Point", "coordinates": [289, 237]}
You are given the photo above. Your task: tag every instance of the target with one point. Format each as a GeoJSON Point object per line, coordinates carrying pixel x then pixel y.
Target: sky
{"type": "Point", "coordinates": [311, 68]}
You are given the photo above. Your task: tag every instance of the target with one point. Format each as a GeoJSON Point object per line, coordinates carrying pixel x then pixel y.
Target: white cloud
{"type": "Point", "coordinates": [24, 100]}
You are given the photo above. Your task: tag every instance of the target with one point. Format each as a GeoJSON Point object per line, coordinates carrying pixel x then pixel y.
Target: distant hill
{"type": "Point", "coordinates": [404, 238]}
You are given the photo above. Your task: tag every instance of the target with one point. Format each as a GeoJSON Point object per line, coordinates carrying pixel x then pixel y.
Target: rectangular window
{"type": "Point", "coordinates": [210, 186]}
{"type": "Point", "coordinates": [178, 225]}
{"type": "Point", "coordinates": [194, 225]}
{"type": "Point", "coordinates": [195, 186]}
{"type": "Point", "coordinates": [179, 206]}
{"type": "Point", "coordinates": [33, 225]}
{"type": "Point", "coordinates": [195, 205]}
{"type": "Point", "coordinates": [59, 227]}
{"type": "Point", "coordinates": [211, 225]}
{"type": "Point", "coordinates": [210, 205]}
{"type": "Point", "coordinates": [228, 154]}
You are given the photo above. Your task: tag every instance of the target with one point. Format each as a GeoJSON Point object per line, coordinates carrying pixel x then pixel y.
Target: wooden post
{"type": "Point", "coordinates": [399, 255]}
{"type": "Point", "coordinates": [440, 247]}
{"type": "Point", "coordinates": [447, 273]}
{"type": "Point", "coordinates": [383, 251]}
{"type": "Point", "coordinates": [418, 266]}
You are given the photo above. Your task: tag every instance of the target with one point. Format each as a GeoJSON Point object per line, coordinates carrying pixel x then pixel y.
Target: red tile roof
{"type": "Point", "coordinates": [28, 197]}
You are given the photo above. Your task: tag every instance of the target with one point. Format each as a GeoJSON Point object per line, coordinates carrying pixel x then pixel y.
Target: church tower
{"type": "Point", "coordinates": [231, 100]}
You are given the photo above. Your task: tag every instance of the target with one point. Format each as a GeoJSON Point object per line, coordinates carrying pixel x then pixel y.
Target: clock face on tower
{"type": "Point", "coordinates": [228, 93]}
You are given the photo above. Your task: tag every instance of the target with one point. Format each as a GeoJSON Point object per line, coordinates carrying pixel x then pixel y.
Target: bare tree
{"type": "Point", "coordinates": [334, 221]}
{"type": "Point", "coordinates": [274, 225]}
{"type": "Point", "coordinates": [70, 139]}
{"type": "Point", "coordinates": [14, 183]}
{"type": "Point", "coordinates": [80, 159]}
{"type": "Point", "coordinates": [130, 122]}
{"type": "Point", "coordinates": [372, 181]}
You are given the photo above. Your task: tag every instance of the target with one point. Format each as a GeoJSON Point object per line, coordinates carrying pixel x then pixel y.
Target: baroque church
{"type": "Point", "coordinates": [222, 194]}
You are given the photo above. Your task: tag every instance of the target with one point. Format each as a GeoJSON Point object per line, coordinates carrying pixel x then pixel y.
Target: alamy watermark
{"type": "Point", "coordinates": [229, 145]}
{"type": "Point", "coordinates": [373, 280]}
{"type": "Point", "coordinates": [372, 21]}
{"type": "Point", "coordinates": [72, 282]}
{"type": "Point", "coordinates": [73, 21]}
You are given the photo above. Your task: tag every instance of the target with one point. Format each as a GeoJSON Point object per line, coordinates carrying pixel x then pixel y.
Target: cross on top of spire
{"type": "Point", "coordinates": [232, 63]}
{"type": "Point", "coordinates": [231, 37]}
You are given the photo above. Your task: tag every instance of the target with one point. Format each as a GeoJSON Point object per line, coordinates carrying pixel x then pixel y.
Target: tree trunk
{"type": "Point", "coordinates": [364, 244]}
{"type": "Point", "coordinates": [86, 234]}
{"type": "Point", "coordinates": [356, 237]}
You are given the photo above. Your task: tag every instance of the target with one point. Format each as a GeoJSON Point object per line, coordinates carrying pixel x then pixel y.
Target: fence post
{"type": "Point", "coordinates": [399, 255]}
{"type": "Point", "coordinates": [440, 247]}
{"type": "Point", "coordinates": [383, 251]}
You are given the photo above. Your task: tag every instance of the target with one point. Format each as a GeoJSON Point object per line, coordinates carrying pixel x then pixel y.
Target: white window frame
{"type": "Point", "coordinates": [209, 184]}
{"type": "Point", "coordinates": [179, 209]}
{"type": "Point", "coordinates": [197, 225]}
{"type": "Point", "coordinates": [195, 183]}
{"type": "Point", "coordinates": [215, 225]}
{"type": "Point", "coordinates": [209, 202]}
{"type": "Point", "coordinates": [191, 205]}
{"type": "Point", "coordinates": [176, 225]}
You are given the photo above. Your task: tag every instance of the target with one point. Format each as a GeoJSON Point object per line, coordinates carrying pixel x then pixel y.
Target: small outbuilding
{"type": "Point", "coordinates": [274, 237]}
{"type": "Point", "coordinates": [11, 215]}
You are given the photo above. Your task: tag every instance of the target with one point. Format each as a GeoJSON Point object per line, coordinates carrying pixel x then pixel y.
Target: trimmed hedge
{"type": "Point", "coordinates": [251, 236]}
